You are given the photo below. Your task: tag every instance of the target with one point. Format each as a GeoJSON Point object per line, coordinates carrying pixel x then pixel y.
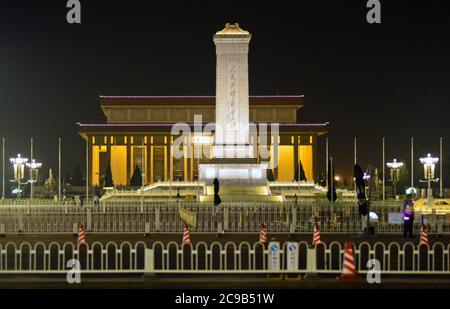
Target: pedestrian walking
{"type": "Point", "coordinates": [408, 216]}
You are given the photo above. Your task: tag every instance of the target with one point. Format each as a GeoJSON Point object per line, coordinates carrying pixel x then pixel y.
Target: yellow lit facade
{"type": "Point", "coordinates": [138, 133]}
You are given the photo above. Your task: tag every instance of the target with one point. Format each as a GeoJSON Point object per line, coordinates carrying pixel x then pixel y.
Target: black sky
{"type": "Point", "coordinates": [390, 79]}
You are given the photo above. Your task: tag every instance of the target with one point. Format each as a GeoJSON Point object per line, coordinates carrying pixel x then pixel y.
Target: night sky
{"type": "Point", "coordinates": [369, 80]}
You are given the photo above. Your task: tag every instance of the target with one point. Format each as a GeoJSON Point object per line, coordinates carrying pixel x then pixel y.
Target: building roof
{"type": "Point", "coordinates": [126, 128]}
{"type": "Point", "coordinates": [233, 30]}
{"type": "Point", "coordinates": [274, 101]}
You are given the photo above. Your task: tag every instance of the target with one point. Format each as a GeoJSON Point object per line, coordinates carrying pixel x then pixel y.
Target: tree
{"type": "Point", "coordinates": [302, 172]}
{"type": "Point", "coordinates": [331, 194]}
{"type": "Point", "coordinates": [269, 175]}
{"type": "Point", "coordinates": [77, 179]}
{"type": "Point", "coordinates": [136, 179]}
{"type": "Point", "coordinates": [108, 182]}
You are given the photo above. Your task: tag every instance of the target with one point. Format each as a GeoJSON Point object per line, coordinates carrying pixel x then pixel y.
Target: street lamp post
{"type": "Point", "coordinates": [395, 173]}
{"type": "Point", "coordinates": [19, 171]}
{"type": "Point", "coordinates": [33, 167]}
{"type": "Point", "coordinates": [429, 164]}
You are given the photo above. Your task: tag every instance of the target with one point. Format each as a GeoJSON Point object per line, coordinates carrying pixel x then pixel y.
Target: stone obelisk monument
{"type": "Point", "coordinates": [233, 162]}
{"type": "Point", "coordinates": [232, 106]}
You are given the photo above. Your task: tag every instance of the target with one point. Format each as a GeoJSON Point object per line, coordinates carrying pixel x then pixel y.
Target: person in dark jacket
{"type": "Point", "coordinates": [408, 215]}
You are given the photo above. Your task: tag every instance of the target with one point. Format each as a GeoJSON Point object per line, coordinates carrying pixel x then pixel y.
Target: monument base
{"type": "Point", "coordinates": [239, 179]}
{"type": "Point", "coordinates": [234, 171]}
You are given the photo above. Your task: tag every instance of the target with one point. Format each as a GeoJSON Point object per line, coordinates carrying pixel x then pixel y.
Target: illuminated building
{"type": "Point", "coordinates": [137, 132]}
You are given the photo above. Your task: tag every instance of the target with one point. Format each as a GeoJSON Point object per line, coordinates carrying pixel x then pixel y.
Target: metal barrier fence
{"type": "Point", "coordinates": [53, 257]}
{"type": "Point", "coordinates": [229, 258]}
{"type": "Point", "coordinates": [230, 217]}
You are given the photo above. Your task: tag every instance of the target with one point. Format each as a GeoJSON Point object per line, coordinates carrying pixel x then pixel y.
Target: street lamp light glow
{"type": "Point", "coordinates": [394, 164]}
{"type": "Point", "coordinates": [34, 165]}
{"type": "Point", "coordinates": [19, 171]}
{"type": "Point", "coordinates": [19, 166]}
{"type": "Point", "coordinates": [395, 173]}
{"type": "Point", "coordinates": [429, 164]}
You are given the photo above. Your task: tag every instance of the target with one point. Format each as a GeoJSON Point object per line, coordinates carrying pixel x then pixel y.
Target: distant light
{"type": "Point", "coordinates": [34, 165]}
{"type": "Point", "coordinates": [411, 190]}
{"type": "Point", "coordinates": [337, 178]}
{"type": "Point", "coordinates": [19, 166]}
{"type": "Point", "coordinates": [428, 165]}
{"type": "Point", "coordinates": [366, 176]}
{"type": "Point", "coordinates": [18, 160]}
{"type": "Point", "coordinates": [429, 160]}
{"type": "Point", "coordinates": [395, 165]}
{"type": "Point", "coordinates": [373, 216]}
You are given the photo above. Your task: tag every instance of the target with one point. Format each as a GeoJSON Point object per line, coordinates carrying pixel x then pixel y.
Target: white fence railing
{"type": "Point", "coordinates": [229, 217]}
{"type": "Point", "coordinates": [229, 258]}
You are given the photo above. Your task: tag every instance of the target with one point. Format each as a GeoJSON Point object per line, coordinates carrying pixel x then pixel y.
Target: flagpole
{"type": "Point", "coordinates": [412, 162]}
{"type": "Point", "coordinates": [3, 168]}
{"type": "Point", "coordinates": [59, 168]}
{"type": "Point", "coordinates": [87, 169]}
{"type": "Point", "coordinates": [384, 169]}
{"type": "Point", "coordinates": [31, 172]}
{"type": "Point", "coordinates": [354, 160]}
{"type": "Point", "coordinates": [331, 186]}
{"type": "Point", "coordinates": [441, 193]}
{"type": "Point", "coordinates": [326, 162]}
{"type": "Point", "coordinates": [142, 175]}
{"type": "Point", "coordinates": [115, 164]}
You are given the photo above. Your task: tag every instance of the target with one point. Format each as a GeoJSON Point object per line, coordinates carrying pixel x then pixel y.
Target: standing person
{"type": "Point", "coordinates": [408, 215]}
{"type": "Point", "coordinates": [74, 202]}
{"type": "Point", "coordinates": [81, 201]}
{"type": "Point", "coordinates": [64, 195]}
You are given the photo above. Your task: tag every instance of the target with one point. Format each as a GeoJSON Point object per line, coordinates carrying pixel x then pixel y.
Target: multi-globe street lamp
{"type": "Point", "coordinates": [395, 173]}
{"type": "Point", "coordinates": [34, 167]}
{"type": "Point", "coordinates": [429, 163]}
{"type": "Point", "coordinates": [19, 171]}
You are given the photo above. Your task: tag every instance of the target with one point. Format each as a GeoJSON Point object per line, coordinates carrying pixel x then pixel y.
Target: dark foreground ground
{"type": "Point", "coordinates": [222, 282]}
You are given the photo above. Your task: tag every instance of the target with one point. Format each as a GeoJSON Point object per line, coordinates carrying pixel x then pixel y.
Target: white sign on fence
{"type": "Point", "coordinates": [292, 256]}
{"type": "Point", "coordinates": [395, 218]}
{"type": "Point", "coordinates": [274, 255]}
